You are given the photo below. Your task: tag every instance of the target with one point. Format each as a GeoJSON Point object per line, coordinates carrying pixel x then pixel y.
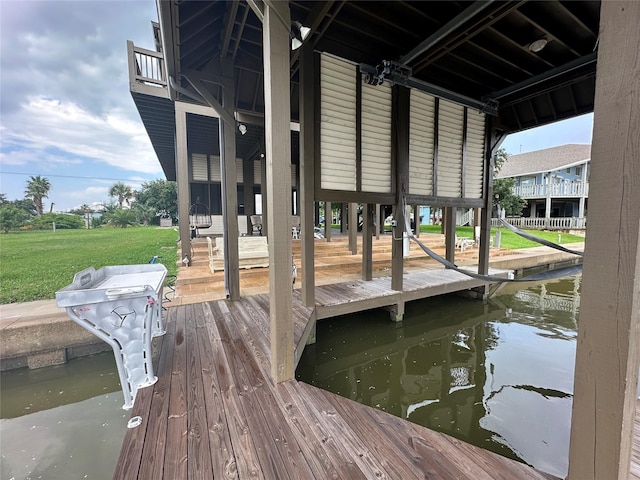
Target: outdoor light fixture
{"type": "Point", "coordinates": [243, 128]}
{"type": "Point", "coordinates": [298, 34]}
{"type": "Point", "coordinates": [538, 45]}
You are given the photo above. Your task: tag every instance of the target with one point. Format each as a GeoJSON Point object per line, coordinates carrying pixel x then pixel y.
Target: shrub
{"type": "Point", "coordinates": [63, 221]}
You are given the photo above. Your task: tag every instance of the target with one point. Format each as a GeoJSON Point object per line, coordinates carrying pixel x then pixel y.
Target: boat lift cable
{"type": "Point", "coordinates": [542, 241]}
{"type": "Point", "coordinates": [546, 275]}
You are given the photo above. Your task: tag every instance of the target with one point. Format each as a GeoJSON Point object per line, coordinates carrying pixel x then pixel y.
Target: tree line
{"type": "Point", "coordinates": [154, 200]}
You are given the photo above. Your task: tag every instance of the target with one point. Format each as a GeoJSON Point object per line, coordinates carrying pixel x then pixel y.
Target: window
{"type": "Point", "coordinates": [578, 170]}
{"type": "Point", "coordinates": [569, 170]}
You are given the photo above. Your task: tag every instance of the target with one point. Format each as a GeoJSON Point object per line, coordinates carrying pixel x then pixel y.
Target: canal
{"type": "Point", "coordinates": [497, 375]}
{"type": "Point", "coordinates": [63, 422]}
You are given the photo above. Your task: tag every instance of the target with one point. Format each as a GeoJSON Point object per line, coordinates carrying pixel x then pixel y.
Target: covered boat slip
{"type": "Point", "coordinates": [395, 103]}
{"type": "Point", "coordinates": [216, 413]}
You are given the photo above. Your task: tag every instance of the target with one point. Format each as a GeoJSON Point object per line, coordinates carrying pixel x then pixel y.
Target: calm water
{"type": "Point", "coordinates": [498, 375]}
{"type": "Point", "coordinates": [64, 422]}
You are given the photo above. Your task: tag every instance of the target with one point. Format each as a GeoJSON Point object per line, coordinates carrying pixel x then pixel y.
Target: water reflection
{"type": "Point", "coordinates": [62, 422]}
{"type": "Point", "coordinates": [497, 375]}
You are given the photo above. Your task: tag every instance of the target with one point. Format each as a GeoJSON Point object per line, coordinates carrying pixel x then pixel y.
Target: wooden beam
{"type": "Point", "coordinates": [353, 228]}
{"type": "Point", "coordinates": [263, 195]}
{"type": "Point", "coordinates": [400, 153]}
{"type": "Point", "coordinates": [450, 233]}
{"type": "Point", "coordinates": [182, 180]}
{"type": "Point", "coordinates": [328, 220]}
{"type": "Point", "coordinates": [278, 156]}
{"type": "Point", "coordinates": [608, 344]}
{"type": "Point", "coordinates": [249, 198]}
{"type": "Point", "coordinates": [307, 169]}
{"type": "Point", "coordinates": [229, 190]}
{"type": "Point", "coordinates": [367, 244]}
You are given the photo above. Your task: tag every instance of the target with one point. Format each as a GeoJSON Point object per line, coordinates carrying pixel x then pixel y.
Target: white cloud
{"type": "Point", "coordinates": [44, 123]}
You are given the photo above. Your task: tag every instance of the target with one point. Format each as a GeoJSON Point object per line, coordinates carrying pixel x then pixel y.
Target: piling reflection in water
{"type": "Point", "coordinates": [498, 375]}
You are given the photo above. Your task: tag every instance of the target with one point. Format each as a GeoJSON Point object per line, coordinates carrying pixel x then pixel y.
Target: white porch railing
{"type": "Point", "coordinates": [464, 218]}
{"type": "Point", "coordinates": [554, 223]}
{"type": "Point", "coordinates": [574, 189]}
{"type": "Point", "coordinates": [146, 67]}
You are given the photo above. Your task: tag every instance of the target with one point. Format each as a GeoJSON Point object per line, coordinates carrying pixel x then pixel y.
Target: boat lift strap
{"type": "Point", "coordinates": [546, 275]}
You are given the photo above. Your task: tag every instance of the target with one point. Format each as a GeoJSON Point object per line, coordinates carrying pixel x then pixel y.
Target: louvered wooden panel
{"type": "Point", "coordinates": [474, 167]}
{"type": "Point", "coordinates": [214, 168]}
{"type": "Point", "coordinates": [376, 138]}
{"type": "Point", "coordinates": [337, 124]}
{"type": "Point", "coordinates": [450, 130]}
{"type": "Point", "coordinates": [199, 171]}
{"type": "Point", "coordinates": [239, 173]}
{"type": "Point", "coordinates": [421, 133]}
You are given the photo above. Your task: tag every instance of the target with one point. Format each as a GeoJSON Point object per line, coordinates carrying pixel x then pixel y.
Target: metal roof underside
{"type": "Point", "coordinates": [476, 49]}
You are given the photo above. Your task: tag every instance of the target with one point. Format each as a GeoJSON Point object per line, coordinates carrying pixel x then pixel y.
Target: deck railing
{"type": "Point", "coordinates": [146, 67]}
{"type": "Point", "coordinates": [573, 189]}
{"type": "Point", "coordinates": [554, 223]}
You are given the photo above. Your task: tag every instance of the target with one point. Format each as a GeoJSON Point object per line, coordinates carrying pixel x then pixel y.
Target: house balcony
{"type": "Point", "coordinates": [553, 190]}
{"type": "Point", "coordinates": [148, 87]}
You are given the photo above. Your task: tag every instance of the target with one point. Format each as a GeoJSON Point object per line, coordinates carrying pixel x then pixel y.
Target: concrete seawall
{"type": "Point", "coordinates": [38, 334]}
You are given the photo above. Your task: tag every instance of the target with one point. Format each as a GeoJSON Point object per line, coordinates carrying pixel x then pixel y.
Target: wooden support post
{"type": "Point", "coordinates": [278, 154]}
{"type": "Point", "coordinates": [416, 220]}
{"type": "Point", "coordinates": [229, 186]}
{"type": "Point", "coordinates": [249, 198]}
{"type": "Point", "coordinates": [182, 177]}
{"type": "Point", "coordinates": [353, 228]}
{"type": "Point", "coordinates": [379, 222]}
{"type": "Point", "coordinates": [263, 195]}
{"type": "Point", "coordinates": [307, 162]}
{"type": "Point", "coordinates": [328, 220]}
{"type": "Point", "coordinates": [491, 143]}
{"type": "Point", "coordinates": [367, 246]}
{"type": "Point", "coordinates": [608, 344]}
{"type": "Point", "coordinates": [450, 233]}
{"type": "Point", "coordinates": [400, 154]}
{"type": "Point", "coordinates": [343, 222]}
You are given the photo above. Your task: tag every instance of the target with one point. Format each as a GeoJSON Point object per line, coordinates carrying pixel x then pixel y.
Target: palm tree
{"type": "Point", "coordinates": [38, 189]}
{"type": "Point", "coordinates": [122, 192]}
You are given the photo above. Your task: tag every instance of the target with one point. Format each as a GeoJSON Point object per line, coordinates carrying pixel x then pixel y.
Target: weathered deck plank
{"type": "Point", "coordinates": [215, 413]}
{"type": "Point", "coordinates": [175, 464]}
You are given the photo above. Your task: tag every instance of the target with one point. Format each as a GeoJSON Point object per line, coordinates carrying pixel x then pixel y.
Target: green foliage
{"type": "Point", "coordinates": [11, 217]}
{"type": "Point", "coordinates": [121, 192]}
{"type": "Point", "coordinates": [37, 190]}
{"type": "Point", "coordinates": [122, 218]}
{"type": "Point", "coordinates": [503, 188]}
{"type": "Point", "coordinates": [159, 197]}
{"type": "Point", "coordinates": [37, 264]}
{"type": "Point", "coordinates": [63, 221]}
{"type": "Point", "coordinates": [503, 195]}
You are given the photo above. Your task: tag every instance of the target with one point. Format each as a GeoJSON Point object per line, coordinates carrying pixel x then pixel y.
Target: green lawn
{"type": "Point", "coordinates": [508, 239]}
{"type": "Point", "coordinates": [34, 265]}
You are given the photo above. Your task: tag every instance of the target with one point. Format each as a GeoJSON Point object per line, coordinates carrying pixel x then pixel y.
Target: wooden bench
{"type": "Point", "coordinates": [252, 251]}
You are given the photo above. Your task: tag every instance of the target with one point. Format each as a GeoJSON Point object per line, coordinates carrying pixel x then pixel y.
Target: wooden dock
{"type": "Point", "coordinates": [215, 413]}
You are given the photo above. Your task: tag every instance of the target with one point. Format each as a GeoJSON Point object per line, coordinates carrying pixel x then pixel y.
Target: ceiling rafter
{"type": "Point", "coordinates": [243, 23]}
{"type": "Point", "coordinates": [547, 32]}
{"type": "Point", "coordinates": [489, 18]}
{"type": "Point", "coordinates": [229, 22]}
{"type": "Point", "coordinates": [318, 34]}
{"type": "Point", "coordinates": [199, 8]}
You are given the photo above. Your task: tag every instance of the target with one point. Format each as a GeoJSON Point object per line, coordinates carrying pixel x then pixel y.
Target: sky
{"type": "Point", "coordinates": [65, 109]}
